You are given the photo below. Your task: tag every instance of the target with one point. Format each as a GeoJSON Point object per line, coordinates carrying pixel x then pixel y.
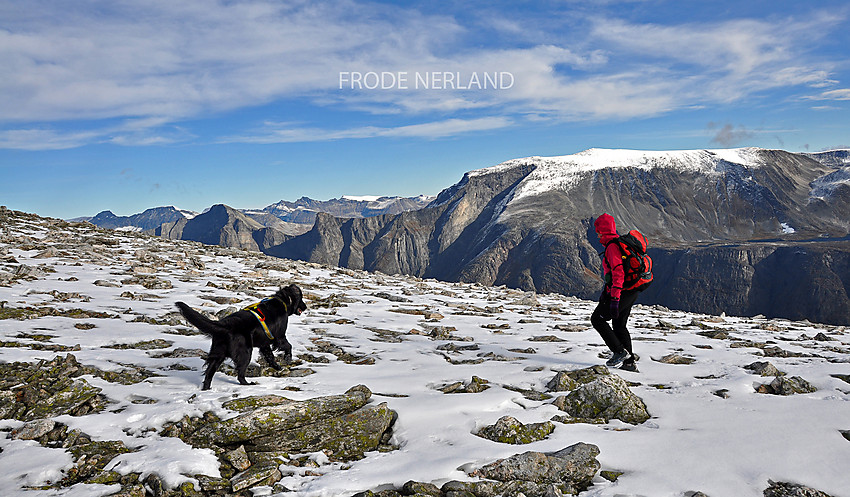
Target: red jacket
{"type": "Point", "coordinates": [612, 262]}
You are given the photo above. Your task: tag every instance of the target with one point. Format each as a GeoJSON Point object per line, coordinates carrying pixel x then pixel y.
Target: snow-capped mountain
{"type": "Point", "coordinates": [291, 218]}
{"type": "Point", "coordinates": [147, 220]}
{"type": "Point", "coordinates": [304, 210]}
{"type": "Point", "coordinates": [726, 227]}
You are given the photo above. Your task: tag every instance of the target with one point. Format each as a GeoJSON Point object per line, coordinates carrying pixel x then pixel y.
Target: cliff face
{"type": "Point", "coordinates": [223, 225]}
{"type": "Point", "coordinates": [528, 224]}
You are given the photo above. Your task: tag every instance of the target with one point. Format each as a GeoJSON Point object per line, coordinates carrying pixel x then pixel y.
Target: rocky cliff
{"type": "Point", "coordinates": [223, 225]}
{"type": "Point", "coordinates": [527, 224]}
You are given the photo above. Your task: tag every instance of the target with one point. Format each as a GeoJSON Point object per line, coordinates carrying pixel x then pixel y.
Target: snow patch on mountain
{"type": "Point", "coordinates": [564, 172]}
{"type": "Point", "coordinates": [824, 186]}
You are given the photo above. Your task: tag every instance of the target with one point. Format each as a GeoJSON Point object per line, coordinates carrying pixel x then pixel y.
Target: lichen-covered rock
{"type": "Point", "coordinates": [510, 431]}
{"type": "Point", "coordinates": [598, 394]}
{"type": "Point", "coordinates": [91, 458]}
{"type": "Point", "coordinates": [571, 469]}
{"type": "Point", "coordinates": [271, 427]}
{"type": "Point", "coordinates": [782, 489]}
{"type": "Point", "coordinates": [261, 474]}
{"type": "Point", "coordinates": [567, 381]}
{"type": "Point", "coordinates": [674, 358]}
{"type": "Point", "coordinates": [487, 488]}
{"type": "Point", "coordinates": [342, 438]}
{"type": "Point", "coordinates": [421, 489]}
{"type": "Point", "coordinates": [475, 385]}
{"type": "Point", "coordinates": [260, 422]}
{"type": "Point", "coordinates": [34, 429]}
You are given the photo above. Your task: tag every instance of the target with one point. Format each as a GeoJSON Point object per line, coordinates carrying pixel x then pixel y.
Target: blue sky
{"type": "Point", "coordinates": [125, 105]}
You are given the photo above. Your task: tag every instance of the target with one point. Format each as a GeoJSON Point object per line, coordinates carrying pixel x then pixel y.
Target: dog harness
{"type": "Point", "coordinates": [258, 313]}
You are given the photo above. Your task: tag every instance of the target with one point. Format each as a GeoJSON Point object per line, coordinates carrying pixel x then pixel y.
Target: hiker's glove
{"type": "Point", "coordinates": [615, 308]}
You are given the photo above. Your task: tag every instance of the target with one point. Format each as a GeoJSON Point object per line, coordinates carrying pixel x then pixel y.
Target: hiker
{"type": "Point", "coordinates": [619, 295]}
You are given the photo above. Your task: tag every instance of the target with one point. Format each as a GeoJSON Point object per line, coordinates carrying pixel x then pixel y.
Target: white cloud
{"type": "Point", "coordinates": [839, 94]}
{"type": "Point", "coordinates": [155, 62]}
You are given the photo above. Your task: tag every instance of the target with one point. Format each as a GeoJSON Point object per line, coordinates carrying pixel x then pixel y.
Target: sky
{"type": "Point", "coordinates": [126, 105]}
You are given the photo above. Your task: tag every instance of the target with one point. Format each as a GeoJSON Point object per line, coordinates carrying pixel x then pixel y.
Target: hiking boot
{"type": "Point", "coordinates": [618, 359]}
{"type": "Point", "coordinates": [630, 366]}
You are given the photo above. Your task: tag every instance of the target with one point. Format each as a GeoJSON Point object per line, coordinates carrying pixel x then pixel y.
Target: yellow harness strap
{"type": "Point", "coordinates": [255, 310]}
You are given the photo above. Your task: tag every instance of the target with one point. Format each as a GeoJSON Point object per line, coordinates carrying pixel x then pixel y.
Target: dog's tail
{"type": "Point", "coordinates": [206, 325]}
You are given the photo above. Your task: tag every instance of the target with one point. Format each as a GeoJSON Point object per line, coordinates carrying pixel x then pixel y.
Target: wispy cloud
{"type": "Point", "coordinates": [839, 94]}
{"type": "Point", "coordinates": [295, 132]}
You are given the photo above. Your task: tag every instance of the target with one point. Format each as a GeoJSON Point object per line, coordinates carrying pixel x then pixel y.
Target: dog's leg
{"type": "Point", "coordinates": [268, 355]}
{"type": "Point", "coordinates": [213, 364]}
{"type": "Point", "coordinates": [242, 359]}
{"type": "Point", "coordinates": [287, 351]}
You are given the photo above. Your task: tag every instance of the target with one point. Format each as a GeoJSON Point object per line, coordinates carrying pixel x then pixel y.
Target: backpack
{"type": "Point", "coordinates": [637, 265]}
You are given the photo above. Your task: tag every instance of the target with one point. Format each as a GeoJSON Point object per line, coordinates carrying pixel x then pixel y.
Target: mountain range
{"type": "Point", "coordinates": [289, 218]}
{"type": "Point", "coordinates": [742, 231]}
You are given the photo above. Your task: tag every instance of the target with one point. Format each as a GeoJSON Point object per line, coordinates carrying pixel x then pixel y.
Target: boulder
{"type": "Point", "coordinates": [783, 385]}
{"type": "Point", "coordinates": [342, 426]}
{"type": "Point", "coordinates": [510, 431]}
{"type": "Point", "coordinates": [570, 470]}
{"type": "Point", "coordinates": [782, 489]}
{"type": "Point", "coordinates": [597, 394]}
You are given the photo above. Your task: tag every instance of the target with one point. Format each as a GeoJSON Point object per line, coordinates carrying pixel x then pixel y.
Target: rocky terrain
{"type": "Point", "coordinates": [402, 385]}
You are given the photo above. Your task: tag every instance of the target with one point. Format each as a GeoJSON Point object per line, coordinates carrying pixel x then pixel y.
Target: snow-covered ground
{"type": "Point", "coordinates": [710, 430]}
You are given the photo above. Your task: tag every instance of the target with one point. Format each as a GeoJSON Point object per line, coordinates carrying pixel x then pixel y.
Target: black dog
{"type": "Point", "coordinates": [261, 325]}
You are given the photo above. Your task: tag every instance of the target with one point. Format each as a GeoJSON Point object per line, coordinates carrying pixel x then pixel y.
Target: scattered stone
{"type": "Point", "coordinates": [675, 358]}
{"type": "Point", "coordinates": [528, 393]}
{"type": "Point", "coordinates": [34, 429]}
{"type": "Point", "coordinates": [158, 343]}
{"type": "Point", "coordinates": [572, 469]}
{"type": "Point", "coordinates": [571, 328]}
{"type": "Point", "coordinates": [843, 377]}
{"type": "Point", "coordinates": [611, 476]}
{"type": "Point", "coordinates": [783, 385]}
{"type": "Point", "coordinates": [390, 297]}
{"type": "Point", "coordinates": [510, 431]}
{"type": "Point", "coordinates": [822, 337]}
{"type": "Point", "coordinates": [782, 489]}
{"type": "Point", "coordinates": [763, 369]}
{"type": "Point", "coordinates": [475, 385]}
{"type": "Point", "coordinates": [723, 393]}
{"type": "Point", "coordinates": [714, 334]}
{"type": "Point", "coordinates": [546, 338]}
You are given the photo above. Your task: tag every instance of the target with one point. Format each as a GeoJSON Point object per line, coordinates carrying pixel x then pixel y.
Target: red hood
{"type": "Point", "coordinates": [606, 228]}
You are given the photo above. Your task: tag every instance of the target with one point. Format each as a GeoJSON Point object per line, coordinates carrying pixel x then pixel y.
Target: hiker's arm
{"type": "Point", "coordinates": [614, 258]}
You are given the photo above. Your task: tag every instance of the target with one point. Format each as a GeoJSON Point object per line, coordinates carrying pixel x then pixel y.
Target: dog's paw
{"type": "Point", "coordinates": [276, 366]}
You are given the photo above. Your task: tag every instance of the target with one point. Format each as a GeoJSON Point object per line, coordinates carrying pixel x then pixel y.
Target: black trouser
{"type": "Point", "coordinates": [617, 338]}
